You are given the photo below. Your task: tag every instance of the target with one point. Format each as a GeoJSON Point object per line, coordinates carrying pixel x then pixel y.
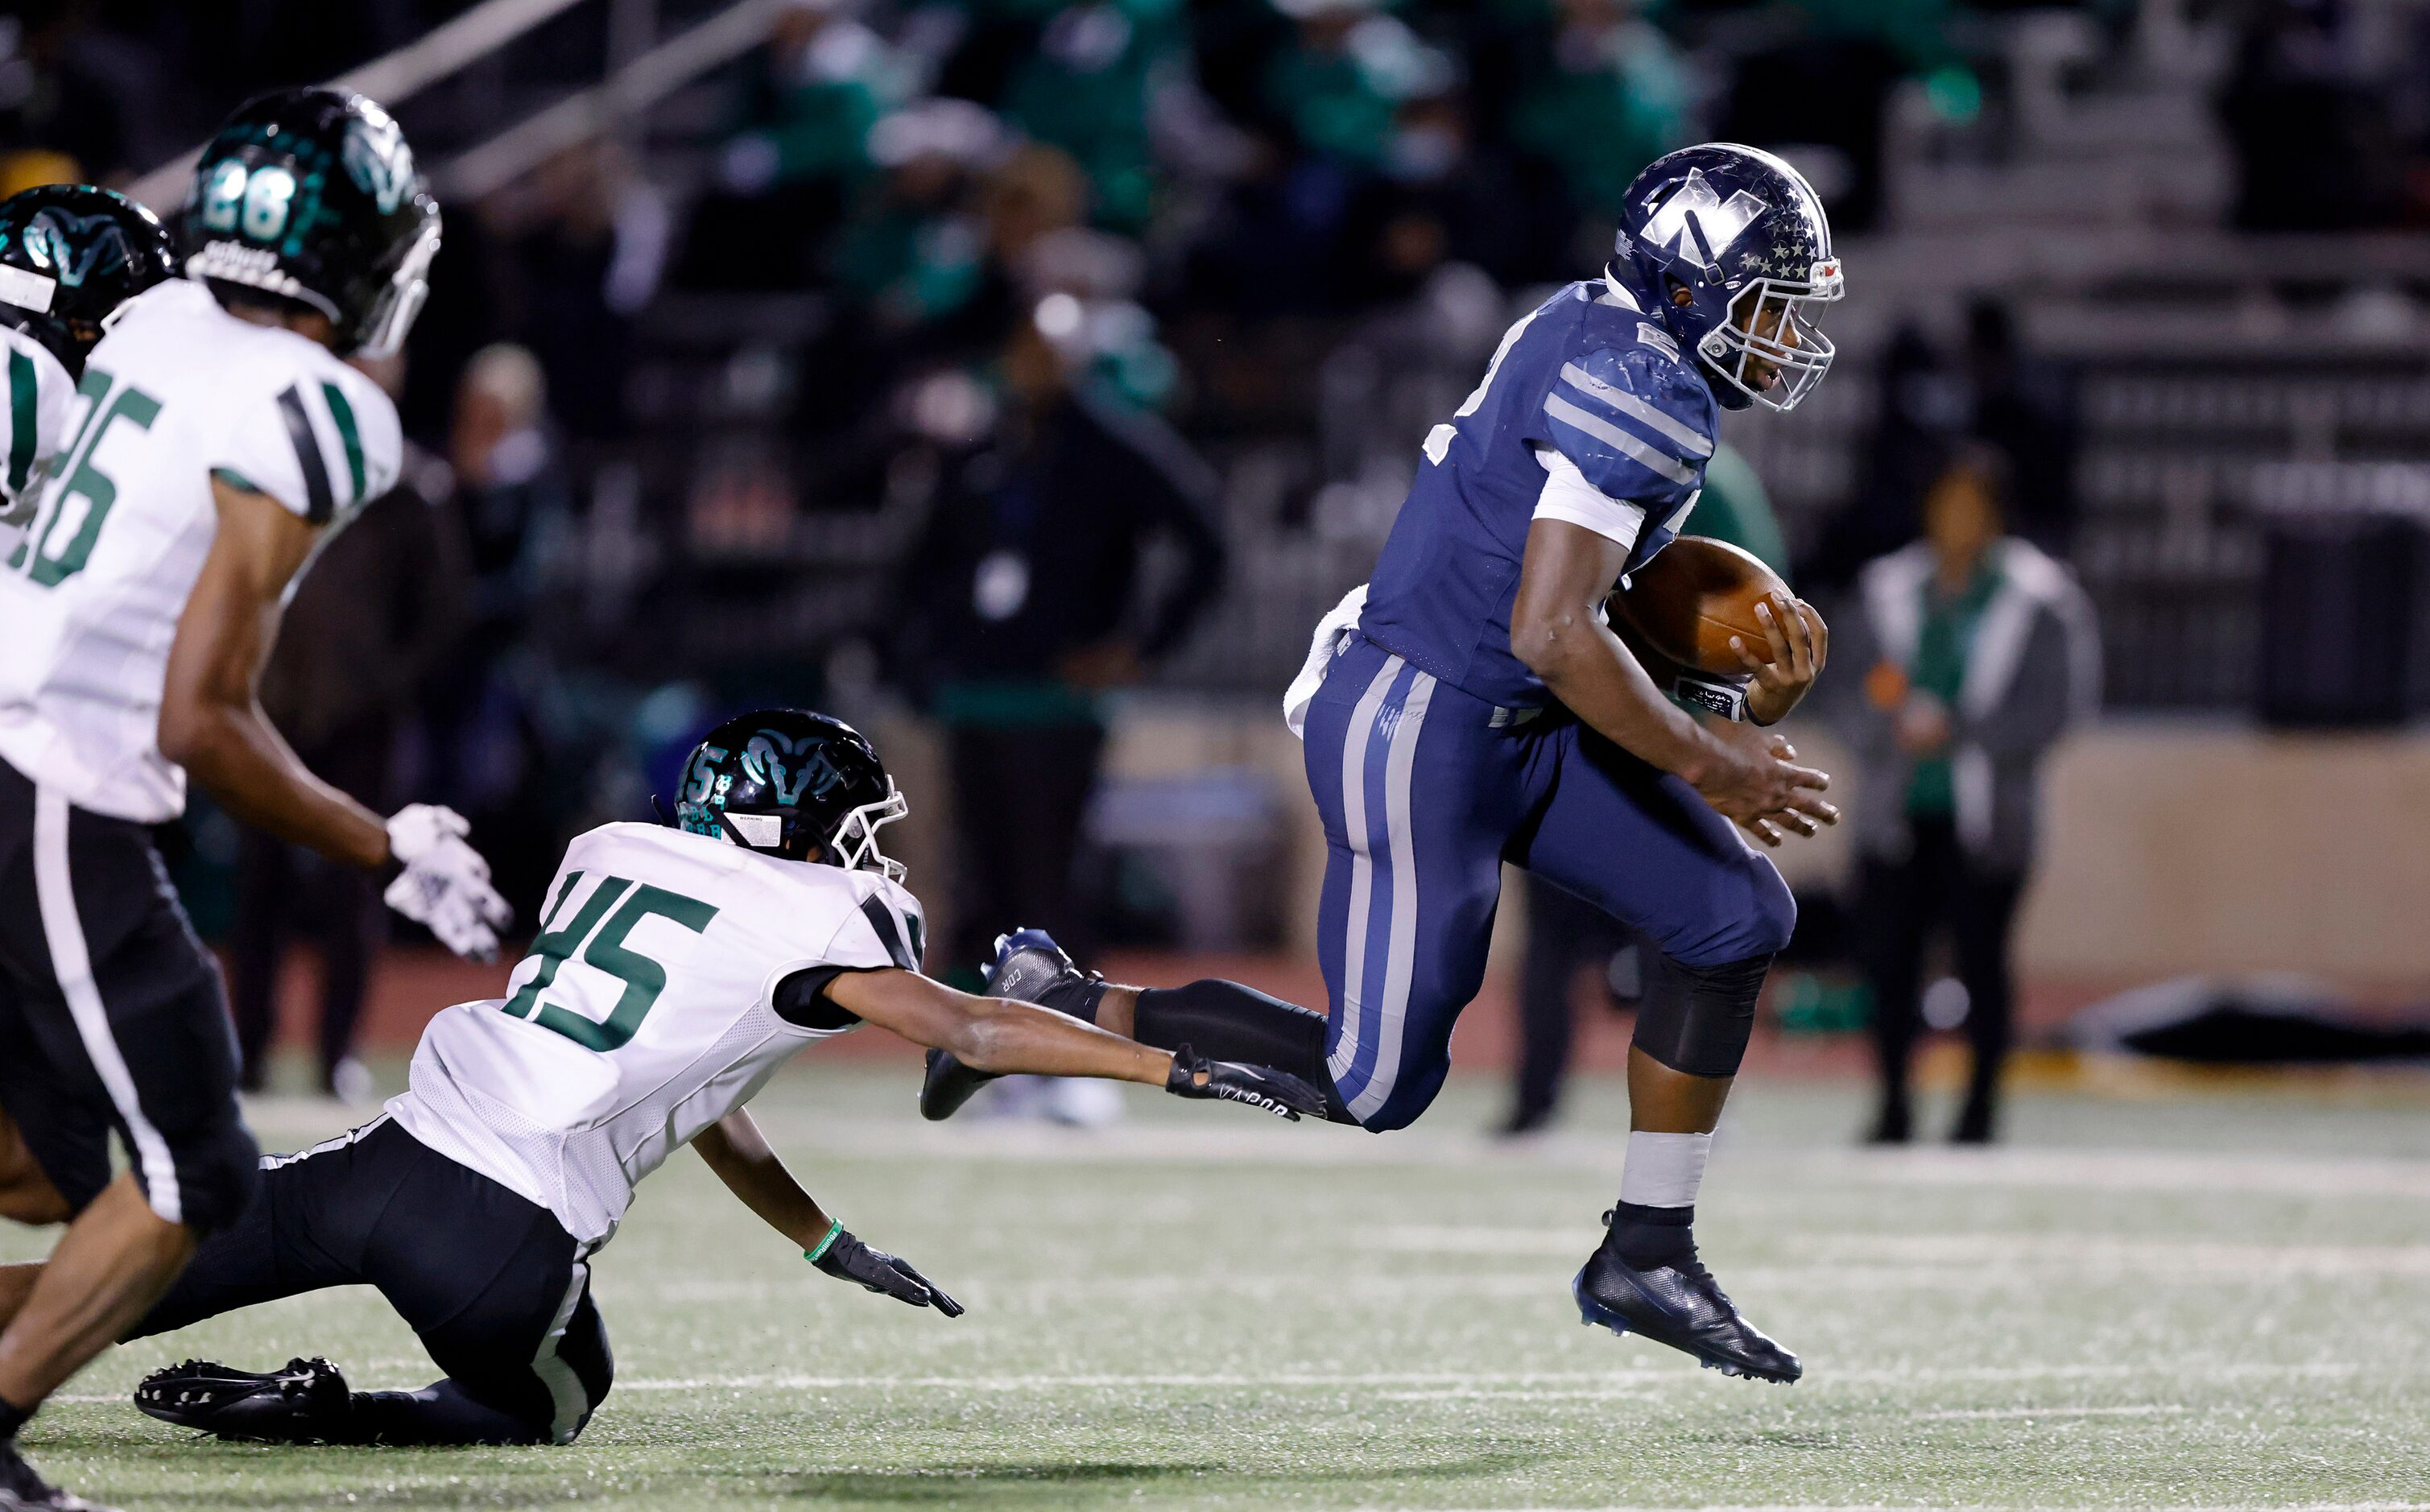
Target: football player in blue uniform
{"type": "Point", "coordinates": [1473, 707]}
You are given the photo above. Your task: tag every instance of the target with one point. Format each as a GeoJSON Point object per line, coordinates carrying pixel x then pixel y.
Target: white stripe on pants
{"type": "Point", "coordinates": [1362, 863]}
{"type": "Point", "coordinates": [1392, 1010]}
{"type": "Point", "coordinates": [564, 1387]}
{"type": "Point", "coordinates": [72, 964]}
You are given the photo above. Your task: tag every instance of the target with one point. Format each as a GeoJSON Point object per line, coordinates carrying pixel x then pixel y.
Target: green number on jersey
{"type": "Point", "coordinates": [79, 478]}
{"type": "Point", "coordinates": [643, 977]}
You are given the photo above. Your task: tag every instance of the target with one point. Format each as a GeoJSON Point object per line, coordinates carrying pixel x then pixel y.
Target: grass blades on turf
{"type": "Point", "coordinates": [2216, 1300]}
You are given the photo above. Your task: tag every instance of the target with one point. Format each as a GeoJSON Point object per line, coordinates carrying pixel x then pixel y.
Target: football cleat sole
{"type": "Point", "coordinates": [305, 1402]}
{"type": "Point", "coordinates": [1593, 1314]}
{"type": "Point", "coordinates": [947, 1085]}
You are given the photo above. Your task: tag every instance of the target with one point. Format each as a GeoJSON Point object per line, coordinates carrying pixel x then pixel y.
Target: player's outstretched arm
{"type": "Point", "coordinates": [212, 725]}
{"type": "Point", "coordinates": [1748, 776]}
{"type": "Point", "coordinates": [1004, 1036]}
{"type": "Point", "coordinates": [752, 1170]}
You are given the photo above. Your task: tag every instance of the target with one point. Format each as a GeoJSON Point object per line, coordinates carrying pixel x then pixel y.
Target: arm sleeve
{"type": "Point", "coordinates": [1635, 426]}
{"type": "Point", "coordinates": [801, 999]}
{"type": "Point", "coordinates": [321, 445]}
{"type": "Point", "coordinates": [885, 932]}
{"type": "Point", "coordinates": [1569, 496]}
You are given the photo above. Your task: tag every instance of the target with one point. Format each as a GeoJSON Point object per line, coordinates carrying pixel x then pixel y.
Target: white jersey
{"type": "Point", "coordinates": [644, 1013]}
{"type": "Point", "coordinates": [36, 395]}
{"type": "Point", "coordinates": [178, 391]}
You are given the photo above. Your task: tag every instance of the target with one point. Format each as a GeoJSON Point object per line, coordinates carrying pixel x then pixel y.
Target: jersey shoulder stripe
{"type": "Point", "coordinates": [881, 921]}
{"type": "Point", "coordinates": [319, 505]}
{"type": "Point", "coordinates": [24, 402]}
{"type": "Point", "coordinates": [1619, 441]}
{"type": "Point", "coordinates": [1639, 425]}
{"type": "Point", "coordinates": [1614, 397]}
{"type": "Point", "coordinates": [39, 398]}
{"type": "Point", "coordinates": [349, 435]}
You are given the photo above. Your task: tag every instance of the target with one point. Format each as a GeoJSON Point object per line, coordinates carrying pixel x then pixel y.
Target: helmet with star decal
{"type": "Point", "coordinates": [1734, 245]}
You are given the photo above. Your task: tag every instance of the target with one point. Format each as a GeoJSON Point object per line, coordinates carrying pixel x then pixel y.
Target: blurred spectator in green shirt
{"type": "Point", "coordinates": [1086, 89]}
{"type": "Point", "coordinates": [1342, 81]}
{"type": "Point", "coordinates": [1610, 95]}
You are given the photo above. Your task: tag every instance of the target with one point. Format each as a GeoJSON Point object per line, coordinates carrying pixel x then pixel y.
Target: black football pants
{"type": "Point", "coordinates": [497, 1290]}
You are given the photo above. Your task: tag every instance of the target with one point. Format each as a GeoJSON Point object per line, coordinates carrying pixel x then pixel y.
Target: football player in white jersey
{"type": "Point", "coordinates": [218, 434]}
{"type": "Point", "coordinates": [677, 968]}
{"type": "Point", "coordinates": [70, 255]}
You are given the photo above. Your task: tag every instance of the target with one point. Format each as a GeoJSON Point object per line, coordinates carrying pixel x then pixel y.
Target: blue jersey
{"type": "Point", "coordinates": [1586, 414]}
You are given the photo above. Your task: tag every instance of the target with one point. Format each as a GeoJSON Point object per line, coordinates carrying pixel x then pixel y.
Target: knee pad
{"type": "Point", "coordinates": [1698, 1020]}
{"type": "Point", "coordinates": [219, 1171]}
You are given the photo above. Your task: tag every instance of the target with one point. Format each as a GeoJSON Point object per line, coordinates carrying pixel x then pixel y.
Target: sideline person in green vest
{"type": "Point", "coordinates": [1981, 651]}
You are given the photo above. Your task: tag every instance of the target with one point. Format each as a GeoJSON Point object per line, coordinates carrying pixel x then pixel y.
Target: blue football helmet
{"type": "Point", "coordinates": [1745, 235]}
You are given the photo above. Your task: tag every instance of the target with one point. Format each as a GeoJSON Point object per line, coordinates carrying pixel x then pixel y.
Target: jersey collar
{"type": "Point", "coordinates": [1618, 293]}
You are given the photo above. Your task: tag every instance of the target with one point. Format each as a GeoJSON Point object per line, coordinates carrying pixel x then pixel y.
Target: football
{"type": "Point", "coordinates": [1688, 601]}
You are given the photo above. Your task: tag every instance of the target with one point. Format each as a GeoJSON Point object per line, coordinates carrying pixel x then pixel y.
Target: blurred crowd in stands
{"type": "Point", "coordinates": [891, 336]}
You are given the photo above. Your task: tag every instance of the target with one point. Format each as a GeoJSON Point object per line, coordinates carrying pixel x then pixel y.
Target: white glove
{"type": "Point", "coordinates": [445, 883]}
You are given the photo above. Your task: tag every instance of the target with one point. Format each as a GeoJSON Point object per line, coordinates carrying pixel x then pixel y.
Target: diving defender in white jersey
{"type": "Point", "coordinates": [677, 968]}
{"type": "Point", "coordinates": [216, 435]}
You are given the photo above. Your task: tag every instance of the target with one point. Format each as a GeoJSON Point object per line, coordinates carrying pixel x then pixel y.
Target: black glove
{"type": "Point", "coordinates": [847, 1259]}
{"type": "Point", "coordinates": [1277, 1091]}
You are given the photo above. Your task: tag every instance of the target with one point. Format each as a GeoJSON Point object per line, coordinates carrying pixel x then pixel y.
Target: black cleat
{"type": "Point", "coordinates": [22, 1491]}
{"type": "Point", "coordinates": [1679, 1304]}
{"type": "Point", "coordinates": [305, 1403]}
{"type": "Point", "coordinates": [1028, 965]}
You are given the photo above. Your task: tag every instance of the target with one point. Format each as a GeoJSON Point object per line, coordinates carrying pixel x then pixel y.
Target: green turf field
{"type": "Point", "coordinates": [2218, 1299]}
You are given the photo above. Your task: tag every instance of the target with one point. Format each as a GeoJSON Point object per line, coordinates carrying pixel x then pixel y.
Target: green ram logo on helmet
{"type": "Point", "coordinates": [778, 763]}
{"type": "Point", "coordinates": [52, 238]}
{"type": "Point", "coordinates": [379, 162]}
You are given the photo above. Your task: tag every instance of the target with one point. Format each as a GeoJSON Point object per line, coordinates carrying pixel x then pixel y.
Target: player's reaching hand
{"type": "Point", "coordinates": [1260, 1087]}
{"type": "Point", "coordinates": [445, 883]}
{"type": "Point", "coordinates": [1796, 643]}
{"type": "Point", "coordinates": [1759, 786]}
{"type": "Point", "coordinates": [846, 1259]}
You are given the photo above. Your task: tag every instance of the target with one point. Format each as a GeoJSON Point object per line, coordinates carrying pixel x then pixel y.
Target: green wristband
{"type": "Point", "coordinates": [835, 1230]}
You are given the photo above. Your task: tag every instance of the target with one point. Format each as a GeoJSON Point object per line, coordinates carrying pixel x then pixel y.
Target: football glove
{"type": "Point", "coordinates": [445, 883]}
{"type": "Point", "coordinates": [846, 1259]}
{"type": "Point", "coordinates": [1260, 1086]}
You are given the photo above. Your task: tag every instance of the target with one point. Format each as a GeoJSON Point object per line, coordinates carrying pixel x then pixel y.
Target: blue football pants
{"type": "Point", "coordinates": [1425, 791]}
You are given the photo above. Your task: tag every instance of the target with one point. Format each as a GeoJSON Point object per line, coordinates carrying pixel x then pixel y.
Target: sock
{"type": "Point", "coordinates": [1645, 1238]}
{"type": "Point", "coordinates": [1076, 997]}
{"type": "Point", "coordinates": [13, 1417]}
{"type": "Point", "coordinates": [1224, 1021]}
{"type": "Point", "coordinates": [1664, 1170]}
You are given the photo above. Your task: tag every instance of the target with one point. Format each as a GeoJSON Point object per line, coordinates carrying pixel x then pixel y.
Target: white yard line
{"type": "Point", "coordinates": [1472, 1381]}
{"type": "Point", "coordinates": [1204, 1144]}
{"type": "Point", "coordinates": [1903, 1258]}
{"type": "Point", "coordinates": [1954, 1506]}
{"type": "Point", "coordinates": [2147, 1410]}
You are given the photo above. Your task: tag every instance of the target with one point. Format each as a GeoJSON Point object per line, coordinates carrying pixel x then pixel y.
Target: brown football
{"type": "Point", "coordinates": [1688, 601]}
